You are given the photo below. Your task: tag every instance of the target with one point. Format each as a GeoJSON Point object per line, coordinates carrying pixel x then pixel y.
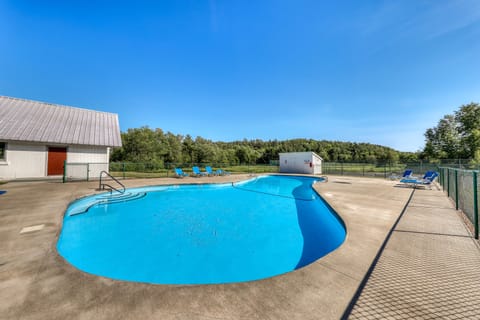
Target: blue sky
{"type": "Point", "coordinates": [363, 71]}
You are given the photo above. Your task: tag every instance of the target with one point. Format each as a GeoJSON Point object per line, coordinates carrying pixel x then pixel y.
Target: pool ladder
{"type": "Point", "coordinates": [102, 185]}
{"type": "Point", "coordinates": [119, 196]}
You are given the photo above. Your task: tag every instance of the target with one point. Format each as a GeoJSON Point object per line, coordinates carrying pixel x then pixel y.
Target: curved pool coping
{"type": "Point", "coordinates": [146, 188]}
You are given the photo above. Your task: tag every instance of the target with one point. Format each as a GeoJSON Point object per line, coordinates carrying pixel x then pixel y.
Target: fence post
{"type": "Point", "coordinates": [64, 179]}
{"type": "Point", "coordinates": [475, 203]}
{"type": "Point", "coordinates": [456, 189]}
{"type": "Point", "coordinates": [88, 171]}
{"type": "Point", "coordinates": [341, 167]}
{"type": "Point", "coordinates": [448, 182]}
{"type": "Point", "coordinates": [443, 179]}
{"type": "Point", "coordinates": [442, 174]}
{"type": "Point", "coordinates": [123, 170]}
{"type": "Point", "coordinates": [385, 171]}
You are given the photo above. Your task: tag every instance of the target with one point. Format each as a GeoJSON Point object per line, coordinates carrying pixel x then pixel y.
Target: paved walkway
{"type": "Point", "coordinates": [429, 268]}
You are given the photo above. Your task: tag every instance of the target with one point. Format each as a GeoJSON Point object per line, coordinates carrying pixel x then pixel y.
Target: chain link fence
{"type": "Point", "coordinates": [79, 171]}
{"type": "Point", "coordinates": [88, 171]}
{"type": "Point", "coordinates": [382, 169]}
{"type": "Point", "coordinates": [462, 187]}
{"type": "Point", "coordinates": [124, 170]}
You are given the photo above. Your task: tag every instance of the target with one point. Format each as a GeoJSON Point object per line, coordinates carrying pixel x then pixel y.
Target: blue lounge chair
{"type": "Point", "coordinates": [406, 175]}
{"type": "Point", "coordinates": [429, 174]}
{"type": "Point", "coordinates": [209, 171]}
{"type": "Point", "coordinates": [197, 172]}
{"type": "Point", "coordinates": [427, 180]}
{"type": "Point", "coordinates": [222, 172]}
{"type": "Point", "coordinates": [412, 178]}
{"type": "Point", "coordinates": [179, 173]}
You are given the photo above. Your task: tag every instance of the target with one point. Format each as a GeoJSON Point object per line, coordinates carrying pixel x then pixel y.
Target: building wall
{"type": "Point", "coordinates": [317, 164]}
{"type": "Point", "coordinates": [24, 160]}
{"type": "Point", "coordinates": [300, 162]}
{"type": "Point", "coordinates": [86, 160]}
{"type": "Point", "coordinates": [29, 160]}
{"type": "Point", "coordinates": [87, 154]}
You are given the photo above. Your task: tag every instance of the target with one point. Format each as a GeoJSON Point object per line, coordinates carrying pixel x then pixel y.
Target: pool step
{"type": "Point", "coordinates": [128, 196]}
{"type": "Point", "coordinates": [106, 200]}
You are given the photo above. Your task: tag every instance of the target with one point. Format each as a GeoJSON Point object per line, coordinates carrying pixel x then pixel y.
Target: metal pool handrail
{"type": "Point", "coordinates": [101, 186]}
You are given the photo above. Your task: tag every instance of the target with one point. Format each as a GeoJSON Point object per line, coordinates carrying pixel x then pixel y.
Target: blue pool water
{"type": "Point", "coordinates": [202, 234]}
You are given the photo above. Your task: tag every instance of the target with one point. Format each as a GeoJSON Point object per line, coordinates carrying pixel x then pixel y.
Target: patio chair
{"type": "Point", "coordinates": [179, 173]}
{"type": "Point", "coordinates": [209, 171]}
{"type": "Point", "coordinates": [429, 174]}
{"type": "Point", "coordinates": [222, 172]}
{"type": "Point", "coordinates": [406, 175]}
{"type": "Point", "coordinates": [427, 180]}
{"type": "Point", "coordinates": [197, 172]}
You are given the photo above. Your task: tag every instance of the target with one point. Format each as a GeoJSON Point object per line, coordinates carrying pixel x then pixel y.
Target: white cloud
{"type": "Point", "coordinates": [421, 19]}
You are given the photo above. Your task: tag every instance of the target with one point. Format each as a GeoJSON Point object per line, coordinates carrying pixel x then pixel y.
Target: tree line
{"type": "Point", "coordinates": [456, 136]}
{"type": "Point", "coordinates": [148, 145]}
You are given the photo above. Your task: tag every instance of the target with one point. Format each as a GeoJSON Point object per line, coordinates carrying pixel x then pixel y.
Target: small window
{"type": "Point", "coordinates": [3, 147]}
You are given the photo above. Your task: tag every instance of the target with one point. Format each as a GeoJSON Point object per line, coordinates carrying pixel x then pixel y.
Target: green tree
{"type": "Point", "coordinates": [204, 150]}
{"type": "Point", "coordinates": [443, 141]}
{"type": "Point", "coordinates": [154, 146]}
{"type": "Point", "coordinates": [455, 136]}
{"type": "Point", "coordinates": [468, 119]}
{"type": "Point", "coordinates": [140, 145]}
{"type": "Point", "coordinates": [188, 151]}
{"type": "Point", "coordinates": [246, 154]}
{"type": "Point", "coordinates": [174, 148]}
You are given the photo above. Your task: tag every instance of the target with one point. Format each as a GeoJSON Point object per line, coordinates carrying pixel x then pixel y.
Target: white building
{"type": "Point", "coordinates": [300, 162]}
{"type": "Point", "coordinates": [36, 138]}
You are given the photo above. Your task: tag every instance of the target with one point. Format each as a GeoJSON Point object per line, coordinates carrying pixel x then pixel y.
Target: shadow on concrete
{"type": "Point", "coordinates": [436, 233]}
{"type": "Point", "coordinates": [360, 288]}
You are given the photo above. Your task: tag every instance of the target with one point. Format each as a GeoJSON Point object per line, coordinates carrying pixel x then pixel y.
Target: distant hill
{"type": "Point", "coordinates": [147, 145]}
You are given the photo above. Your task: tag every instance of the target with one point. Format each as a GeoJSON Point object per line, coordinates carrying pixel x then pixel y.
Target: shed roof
{"type": "Point", "coordinates": [34, 121]}
{"type": "Point", "coordinates": [286, 154]}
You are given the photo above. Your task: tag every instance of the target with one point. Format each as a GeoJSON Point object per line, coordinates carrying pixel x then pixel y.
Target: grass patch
{"type": "Point", "coordinates": [251, 169]}
{"type": "Point", "coordinates": [131, 174]}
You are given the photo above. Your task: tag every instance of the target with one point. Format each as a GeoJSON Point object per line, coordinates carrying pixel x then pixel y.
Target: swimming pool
{"type": "Point", "coordinates": [201, 234]}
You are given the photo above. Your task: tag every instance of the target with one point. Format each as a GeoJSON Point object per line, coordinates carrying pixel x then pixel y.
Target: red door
{"type": "Point", "coordinates": [56, 158]}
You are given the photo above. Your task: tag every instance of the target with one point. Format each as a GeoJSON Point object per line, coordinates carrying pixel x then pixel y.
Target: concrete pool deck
{"type": "Point", "coordinates": [424, 247]}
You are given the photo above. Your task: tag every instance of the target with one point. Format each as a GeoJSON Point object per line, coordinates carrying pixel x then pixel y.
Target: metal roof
{"type": "Point", "coordinates": [301, 152]}
{"type": "Point", "coordinates": [34, 121]}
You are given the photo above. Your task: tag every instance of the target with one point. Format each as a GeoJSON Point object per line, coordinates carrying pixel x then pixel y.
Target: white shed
{"type": "Point", "coordinates": [300, 162]}
{"type": "Point", "coordinates": [37, 138]}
